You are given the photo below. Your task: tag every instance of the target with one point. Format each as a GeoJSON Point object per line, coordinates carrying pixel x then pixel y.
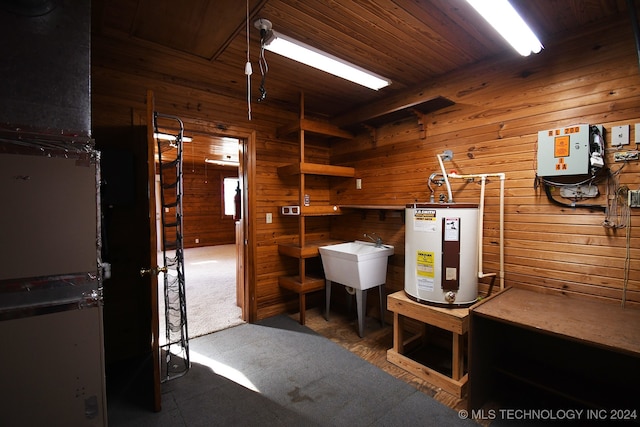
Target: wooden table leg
{"type": "Point", "coordinates": [458, 356]}
{"type": "Point", "coordinates": [398, 333]}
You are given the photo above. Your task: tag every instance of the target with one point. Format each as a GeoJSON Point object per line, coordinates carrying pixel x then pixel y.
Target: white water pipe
{"type": "Point", "coordinates": [483, 178]}
{"type": "Point", "coordinates": [448, 156]}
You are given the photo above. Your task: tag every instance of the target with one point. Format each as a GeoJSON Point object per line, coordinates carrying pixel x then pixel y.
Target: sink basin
{"type": "Point", "coordinates": [359, 265]}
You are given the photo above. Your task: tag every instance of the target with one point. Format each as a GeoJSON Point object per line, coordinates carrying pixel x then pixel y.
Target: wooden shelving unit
{"type": "Point", "coordinates": [302, 283]}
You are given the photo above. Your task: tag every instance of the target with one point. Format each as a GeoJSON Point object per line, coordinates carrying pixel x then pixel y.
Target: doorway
{"type": "Point", "coordinates": [211, 256]}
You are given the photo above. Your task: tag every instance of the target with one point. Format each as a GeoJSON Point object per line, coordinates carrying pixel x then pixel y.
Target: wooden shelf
{"type": "Point", "coordinates": [316, 210]}
{"type": "Point", "coordinates": [578, 387]}
{"type": "Point", "coordinates": [373, 207]}
{"type": "Point", "coordinates": [302, 284]}
{"type": "Point", "coordinates": [316, 169]}
{"type": "Point", "coordinates": [310, 250]}
{"type": "Point", "coordinates": [313, 126]}
{"type": "Point", "coordinates": [320, 210]}
{"type": "Point", "coordinates": [302, 288]}
{"type": "Point", "coordinates": [293, 283]}
{"type": "Point", "coordinates": [383, 210]}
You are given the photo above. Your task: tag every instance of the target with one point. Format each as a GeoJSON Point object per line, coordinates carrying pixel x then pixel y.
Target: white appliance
{"type": "Point", "coordinates": [441, 253]}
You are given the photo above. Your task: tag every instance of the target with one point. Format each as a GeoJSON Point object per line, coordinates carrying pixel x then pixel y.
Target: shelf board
{"type": "Point", "coordinates": [310, 250]}
{"type": "Point", "coordinates": [320, 210]}
{"type": "Point", "coordinates": [314, 126]}
{"type": "Point", "coordinates": [293, 283]}
{"type": "Point", "coordinates": [380, 207]}
{"type": "Point", "coordinates": [383, 210]}
{"type": "Point", "coordinates": [316, 169]}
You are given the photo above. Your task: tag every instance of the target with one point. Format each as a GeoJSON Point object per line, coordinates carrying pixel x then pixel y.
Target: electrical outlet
{"type": "Point", "coordinates": [620, 135]}
{"type": "Point", "coordinates": [269, 218]}
{"type": "Point", "coordinates": [197, 240]}
{"type": "Point", "coordinates": [625, 156]}
{"type": "Point", "coordinates": [358, 183]}
{"type": "Point", "coordinates": [634, 198]}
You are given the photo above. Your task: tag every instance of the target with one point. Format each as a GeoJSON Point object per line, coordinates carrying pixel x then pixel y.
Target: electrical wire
{"type": "Point", "coordinates": [627, 260]}
{"type": "Point", "coordinates": [264, 67]}
{"type": "Point", "coordinates": [615, 199]}
{"type": "Point", "coordinates": [547, 190]}
{"type": "Point", "coordinates": [247, 68]}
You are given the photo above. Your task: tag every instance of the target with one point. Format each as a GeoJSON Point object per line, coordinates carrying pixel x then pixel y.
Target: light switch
{"type": "Point", "coordinates": [269, 218]}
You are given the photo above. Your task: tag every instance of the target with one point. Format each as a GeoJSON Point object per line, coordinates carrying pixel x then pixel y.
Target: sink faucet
{"type": "Point", "coordinates": [377, 240]}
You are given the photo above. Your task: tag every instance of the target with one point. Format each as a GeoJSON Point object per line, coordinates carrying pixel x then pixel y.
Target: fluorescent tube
{"type": "Point", "coordinates": [298, 51]}
{"type": "Point", "coordinates": [504, 18]}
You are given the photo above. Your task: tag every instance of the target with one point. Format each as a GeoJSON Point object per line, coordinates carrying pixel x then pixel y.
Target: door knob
{"type": "Point", "coordinates": [153, 270]}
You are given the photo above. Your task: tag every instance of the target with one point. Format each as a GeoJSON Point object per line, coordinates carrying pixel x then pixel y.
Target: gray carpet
{"type": "Point", "coordinates": [279, 373]}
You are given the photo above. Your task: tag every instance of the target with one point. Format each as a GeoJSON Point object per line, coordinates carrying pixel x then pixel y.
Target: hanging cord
{"type": "Point", "coordinates": [264, 67]}
{"type": "Point", "coordinates": [627, 260]}
{"type": "Point", "coordinates": [616, 201]}
{"type": "Point", "coordinates": [247, 68]}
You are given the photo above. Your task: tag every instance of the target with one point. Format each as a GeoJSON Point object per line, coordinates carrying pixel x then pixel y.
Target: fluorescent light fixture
{"type": "Point", "coordinates": [298, 51]}
{"type": "Point", "coordinates": [504, 18]}
{"type": "Point", "coordinates": [221, 162]}
{"type": "Point", "coordinates": [169, 137]}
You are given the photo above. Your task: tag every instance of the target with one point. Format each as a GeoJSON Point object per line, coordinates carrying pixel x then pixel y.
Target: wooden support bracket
{"type": "Point", "coordinates": [373, 132]}
{"type": "Point", "coordinates": [422, 122]}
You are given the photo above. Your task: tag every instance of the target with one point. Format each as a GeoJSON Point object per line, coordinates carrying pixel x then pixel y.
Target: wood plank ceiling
{"type": "Point", "coordinates": [406, 41]}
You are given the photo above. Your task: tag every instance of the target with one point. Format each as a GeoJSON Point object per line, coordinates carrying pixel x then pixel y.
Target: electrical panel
{"type": "Point", "coordinates": [572, 150]}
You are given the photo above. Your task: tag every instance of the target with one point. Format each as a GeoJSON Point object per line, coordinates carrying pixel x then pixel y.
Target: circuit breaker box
{"type": "Point", "coordinates": [564, 151]}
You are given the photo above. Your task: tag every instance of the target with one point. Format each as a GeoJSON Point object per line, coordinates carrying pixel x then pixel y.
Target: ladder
{"type": "Point", "coordinates": [175, 349]}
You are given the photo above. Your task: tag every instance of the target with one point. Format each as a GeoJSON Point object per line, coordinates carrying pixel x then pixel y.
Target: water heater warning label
{"type": "Point", "coordinates": [424, 264]}
{"type": "Point", "coordinates": [452, 229]}
{"type": "Point", "coordinates": [425, 220]}
{"type": "Point", "coordinates": [425, 270]}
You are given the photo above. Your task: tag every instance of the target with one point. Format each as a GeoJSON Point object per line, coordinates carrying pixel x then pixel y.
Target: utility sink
{"type": "Point", "coordinates": [358, 266]}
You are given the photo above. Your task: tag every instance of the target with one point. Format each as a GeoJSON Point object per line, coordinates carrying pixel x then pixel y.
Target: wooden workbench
{"type": "Point", "coordinates": [584, 352]}
{"type": "Point", "coordinates": [455, 320]}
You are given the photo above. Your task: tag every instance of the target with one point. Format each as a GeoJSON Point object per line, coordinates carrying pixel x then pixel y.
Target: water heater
{"type": "Point", "coordinates": [441, 253]}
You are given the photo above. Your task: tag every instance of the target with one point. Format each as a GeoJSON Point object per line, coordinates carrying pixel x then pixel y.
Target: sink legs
{"type": "Point", "coordinates": [327, 291]}
{"type": "Point", "coordinates": [361, 305]}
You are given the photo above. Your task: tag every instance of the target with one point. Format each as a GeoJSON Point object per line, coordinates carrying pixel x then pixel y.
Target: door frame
{"type": "Point", "coordinates": [247, 176]}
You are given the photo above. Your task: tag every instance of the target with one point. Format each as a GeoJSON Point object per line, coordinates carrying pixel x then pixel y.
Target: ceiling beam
{"type": "Point", "coordinates": [396, 102]}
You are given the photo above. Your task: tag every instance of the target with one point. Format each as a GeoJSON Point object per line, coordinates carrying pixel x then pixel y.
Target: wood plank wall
{"type": "Point", "coordinates": [203, 209]}
{"type": "Point", "coordinates": [493, 128]}
{"type": "Point", "coordinates": [204, 222]}
{"type": "Point", "coordinates": [500, 107]}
